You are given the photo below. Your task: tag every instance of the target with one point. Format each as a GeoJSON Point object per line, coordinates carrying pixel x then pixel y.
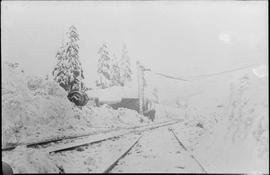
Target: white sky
{"type": "Point", "coordinates": [177, 38]}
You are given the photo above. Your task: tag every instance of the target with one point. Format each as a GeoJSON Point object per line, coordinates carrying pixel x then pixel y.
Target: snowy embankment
{"type": "Point", "coordinates": [231, 134]}
{"type": "Point", "coordinates": [165, 112]}
{"type": "Point", "coordinates": [226, 130]}
{"type": "Point", "coordinates": [35, 109]}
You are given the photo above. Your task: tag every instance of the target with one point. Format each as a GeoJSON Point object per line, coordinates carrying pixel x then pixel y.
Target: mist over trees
{"type": "Point", "coordinates": [68, 70]}
{"type": "Point", "coordinates": [116, 71]}
{"type": "Point", "coordinates": [113, 71]}
{"type": "Point", "coordinates": [105, 68]}
{"type": "Point", "coordinates": [125, 70]}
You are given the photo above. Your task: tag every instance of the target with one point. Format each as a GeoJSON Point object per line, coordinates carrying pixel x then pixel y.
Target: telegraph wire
{"type": "Point", "coordinates": [196, 77]}
{"type": "Point", "coordinates": [223, 72]}
{"type": "Point", "coordinates": [171, 77]}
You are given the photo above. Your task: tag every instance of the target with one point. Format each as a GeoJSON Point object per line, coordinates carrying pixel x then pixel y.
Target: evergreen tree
{"type": "Point", "coordinates": [116, 79]}
{"type": "Point", "coordinates": [68, 71]}
{"type": "Point", "coordinates": [111, 70]}
{"type": "Point", "coordinates": [105, 68]}
{"type": "Point", "coordinates": [125, 70]}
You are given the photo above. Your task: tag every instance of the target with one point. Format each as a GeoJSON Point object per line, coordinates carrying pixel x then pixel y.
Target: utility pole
{"type": "Point", "coordinates": [140, 90]}
{"type": "Point", "coordinates": [140, 71]}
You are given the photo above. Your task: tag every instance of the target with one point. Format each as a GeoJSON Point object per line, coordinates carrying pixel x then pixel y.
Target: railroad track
{"type": "Point", "coordinates": [86, 139]}
{"type": "Point", "coordinates": [125, 152]}
{"type": "Point", "coordinates": [187, 151]}
{"type": "Point", "coordinates": [109, 136]}
{"type": "Point", "coordinates": [122, 155]}
{"type": "Point", "coordinates": [110, 165]}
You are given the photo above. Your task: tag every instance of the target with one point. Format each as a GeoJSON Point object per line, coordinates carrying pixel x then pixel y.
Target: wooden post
{"type": "Point", "coordinates": [140, 89]}
{"type": "Point", "coordinates": [141, 85]}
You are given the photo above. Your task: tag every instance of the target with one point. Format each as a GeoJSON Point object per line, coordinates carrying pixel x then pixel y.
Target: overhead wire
{"type": "Point", "coordinates": [196, 77]}
{"type": "Point", "coordinates": [171, 77]}
{"type": "Point", "coordinates": [222, 72]}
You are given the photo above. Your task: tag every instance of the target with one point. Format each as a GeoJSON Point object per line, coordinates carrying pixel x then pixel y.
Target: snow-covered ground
{"type": "Point", "coordinates": [36, 108]}
{"type": "Point", "coordinates": [95, 158]}
{"type": "Point", "coordinates": [226, 128]}
{"type": "Point", "coordinates": [27, 160]}
{"type": "Point", "coordinates": [159, 152]}
{"type": "Point", "coordinates": [230, 134]}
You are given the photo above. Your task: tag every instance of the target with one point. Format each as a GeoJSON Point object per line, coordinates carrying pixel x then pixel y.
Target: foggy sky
{"type": "Point", "coordinates": [176, 38]}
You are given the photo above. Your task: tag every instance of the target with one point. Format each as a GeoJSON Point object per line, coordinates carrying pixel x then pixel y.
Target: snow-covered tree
{"type": "Point", "coordinates": [105, 68]}
{"type": "Point", "coordinates": [113, 71]}
{"type": "Point", "coordinates": [68, 71]}
{"type": "Point", "coordinates": [116, 78]}
{"type": "Point", "coordinates": [125, 69]}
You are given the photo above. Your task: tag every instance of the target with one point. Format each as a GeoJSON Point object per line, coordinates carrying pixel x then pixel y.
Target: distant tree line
{"type": "Point", "coordinates": [113, 71]}
{"type": "Point", "coordinates": [68, 72]}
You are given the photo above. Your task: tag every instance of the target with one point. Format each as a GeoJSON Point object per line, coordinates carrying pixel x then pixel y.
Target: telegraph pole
{"type": "Point", "coordinates": [140, 71]}
{"type": "Point", "coordinates": [140, 89]}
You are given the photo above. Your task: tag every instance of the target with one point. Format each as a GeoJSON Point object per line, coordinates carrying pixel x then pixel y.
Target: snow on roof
{"type": "Point", "coordinates": [115, 93]}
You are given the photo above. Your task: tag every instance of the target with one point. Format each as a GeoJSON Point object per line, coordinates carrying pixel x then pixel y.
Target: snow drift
{"type": "Point", "coordinates": [230, 134]}
{"type": "Point", "coordinates": [25, 160]}
{"type": "Point", "coordinates": [36, 108]}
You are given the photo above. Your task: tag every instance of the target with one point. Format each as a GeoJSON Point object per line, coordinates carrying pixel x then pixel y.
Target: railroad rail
{"type": "Point", "coordinates": [111, 164]}
{"type": "Point", "coordinates": [185, 148]}
{"type": "Point", "coordinates": [129, 148]}
{"type": "Point", "coordinates": [104, 137]}
{"type": "Point", "coordinates": [122, 155]}
{"type": "Point", "coordinates": [89, 138]}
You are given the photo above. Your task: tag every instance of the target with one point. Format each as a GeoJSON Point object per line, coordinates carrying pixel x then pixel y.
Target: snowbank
{"type": "Point", "coordinates": [36, 108]}
{"type": "Point", "coordinates": [165, 112]}
{"type": "Point", "coordinates": [231, 134]}
{"type": "Point", "coordinates": [25, 160]}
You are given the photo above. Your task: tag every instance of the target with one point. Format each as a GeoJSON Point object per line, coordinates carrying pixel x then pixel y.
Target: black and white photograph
{"type": "Point", "coordinates": [134, 87]}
